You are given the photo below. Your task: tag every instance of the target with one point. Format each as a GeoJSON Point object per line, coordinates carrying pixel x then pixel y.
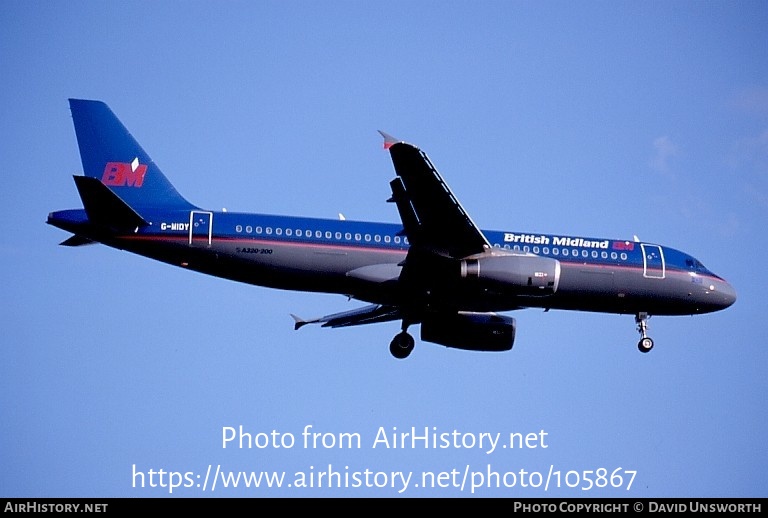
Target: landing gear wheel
{"type": "Point", "coordinates": [401, 345]}
{"type": "Point", "coordinates": [645, 345]}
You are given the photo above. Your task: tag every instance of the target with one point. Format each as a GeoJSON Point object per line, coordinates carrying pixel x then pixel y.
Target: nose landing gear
{"type": "Point", "coordinates": [646, 343]}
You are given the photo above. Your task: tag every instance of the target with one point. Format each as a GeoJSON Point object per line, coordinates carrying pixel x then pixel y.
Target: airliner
{"type": "Point", "coordinates": [436, 268]}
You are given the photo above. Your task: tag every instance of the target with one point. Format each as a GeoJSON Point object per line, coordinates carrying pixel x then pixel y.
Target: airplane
{"type": "Point", "coordinates": [436, 269]}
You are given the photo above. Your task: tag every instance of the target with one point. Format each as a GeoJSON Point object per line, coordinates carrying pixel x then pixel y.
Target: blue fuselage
{"type": "Point", "coordinates": [362, 260]}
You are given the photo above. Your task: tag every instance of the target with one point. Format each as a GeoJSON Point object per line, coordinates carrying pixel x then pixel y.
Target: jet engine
{"type": "Point", "coordinates": [531, 275]}
{"type": "Point", "coordinates": [470, 331]}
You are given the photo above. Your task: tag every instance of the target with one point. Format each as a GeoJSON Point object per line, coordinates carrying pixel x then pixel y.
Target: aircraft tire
{"type": "Point", "coordinates": [401, 345]}
{"type": "Point", "coordinates": [645, 345]}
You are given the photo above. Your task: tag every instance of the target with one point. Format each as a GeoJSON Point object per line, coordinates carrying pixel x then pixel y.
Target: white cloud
{"type": "Point", "coordinates": [664, 152]}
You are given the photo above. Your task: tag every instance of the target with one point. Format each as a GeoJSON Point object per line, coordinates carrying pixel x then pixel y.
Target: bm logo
{"type": "Point", "coordinates": [121, 174]}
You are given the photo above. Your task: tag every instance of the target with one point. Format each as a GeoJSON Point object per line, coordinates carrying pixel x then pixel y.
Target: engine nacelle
{"type": "Point", "coordinates": [518, 274]}
{"type": "Point", "coordinates": [470, 331]}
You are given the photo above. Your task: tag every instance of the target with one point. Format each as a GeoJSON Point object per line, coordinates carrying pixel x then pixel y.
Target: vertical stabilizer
{"type": "Point", "coordinates": [111, 154]}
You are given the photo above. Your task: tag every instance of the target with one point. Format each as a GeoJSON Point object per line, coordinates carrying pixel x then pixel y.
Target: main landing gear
{"type": "Point", "coordinates": [402, 344]}
{"type": "Point", "coordinates": [645, 344]}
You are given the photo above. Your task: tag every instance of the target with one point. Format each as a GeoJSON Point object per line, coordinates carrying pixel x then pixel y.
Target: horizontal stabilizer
{"type": "Point", "coordinates": [104, 207]}
{"type": "Point", "coordinates": [77, 241]}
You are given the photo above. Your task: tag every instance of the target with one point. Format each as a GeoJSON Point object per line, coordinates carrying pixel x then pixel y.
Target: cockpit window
{"type": "Point", "coordinates": [695, 265]}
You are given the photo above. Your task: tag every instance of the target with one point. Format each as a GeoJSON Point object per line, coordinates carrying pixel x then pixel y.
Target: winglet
{"type": "Point", "coordinates": [389, 140]}
{"type": "Point", "coordinates": [300, 322]}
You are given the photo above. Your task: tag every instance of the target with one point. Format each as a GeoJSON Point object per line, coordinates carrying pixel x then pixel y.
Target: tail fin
{"type": "Point", "coordinates": [111, 154]}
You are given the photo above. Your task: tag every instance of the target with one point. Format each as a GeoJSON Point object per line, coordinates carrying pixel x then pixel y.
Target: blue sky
{"type": "Point", "coordinates": [605, 119]}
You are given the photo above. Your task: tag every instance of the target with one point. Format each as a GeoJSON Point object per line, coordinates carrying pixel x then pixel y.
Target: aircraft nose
{"type": "Point", "coordinates": [726, 294]}
{"type": "Point", "coordinates": [717, 294]}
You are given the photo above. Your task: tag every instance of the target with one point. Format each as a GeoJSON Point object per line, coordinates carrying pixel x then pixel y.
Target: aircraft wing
{"type": "Point", "coordinates": [433, 219]}
{"type": "Point", "coordinates": [438, 229]}
{"type": "Point", "coordinates": [365, 315]}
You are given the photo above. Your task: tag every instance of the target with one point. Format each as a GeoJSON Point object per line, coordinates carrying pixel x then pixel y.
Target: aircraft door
{"type": "Point", "coordinates": [653, 261]}
{"type": "Point", "coordinates": [200, 228]}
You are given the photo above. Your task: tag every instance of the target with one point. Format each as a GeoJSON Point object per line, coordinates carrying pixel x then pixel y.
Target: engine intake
{"type": "Point", "coordinates": [470, 331]}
